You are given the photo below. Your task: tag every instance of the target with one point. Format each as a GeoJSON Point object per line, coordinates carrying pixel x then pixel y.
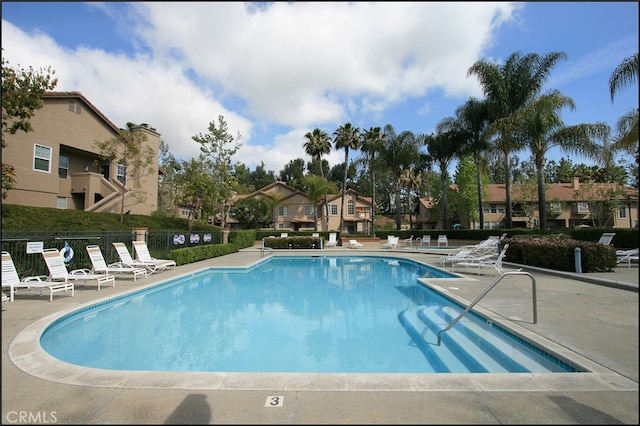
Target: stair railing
{"type": "Point", "coordinates": [484, 293]}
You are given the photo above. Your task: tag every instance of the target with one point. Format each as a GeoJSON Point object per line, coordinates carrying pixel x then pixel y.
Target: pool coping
{"type": "Point", "coordinates": [27, 354]}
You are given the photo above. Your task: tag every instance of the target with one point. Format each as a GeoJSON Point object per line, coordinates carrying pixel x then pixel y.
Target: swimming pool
{"type": "Point", "coordinates": [291, 314]}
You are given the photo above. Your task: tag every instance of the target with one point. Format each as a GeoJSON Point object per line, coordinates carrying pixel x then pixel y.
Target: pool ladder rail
{"type": "Point", "coordinates": [487, 290]}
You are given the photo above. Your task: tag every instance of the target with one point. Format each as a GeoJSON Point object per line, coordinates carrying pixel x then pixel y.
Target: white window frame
{"type": "Point", "coordinates": [121, 173]}
{"type": "Point", "coordinates": [61, 203]}
{"type": "Point", "coordinates": [351, 208]}
{"type": "Point", "coordinates": [62, 159]}
{"type": "Point", "coordinates": [309, 210]}
{"type": "Point", "coordinates": [40, 156]}
{"type": "Point", "coordinates": [283, 211]}
{"type": "Point", "coordinates": [333, 209]}
{"type": "Point", "coordinates": [582, 207]}
{"type": "Point", "coordinates": [622, 211]}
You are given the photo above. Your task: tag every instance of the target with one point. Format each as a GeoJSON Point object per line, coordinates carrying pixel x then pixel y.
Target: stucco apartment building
{"type": "Point", "coordinates": [295, 211]}
{"type": "Point", "coordinates": [57, 164]}
{"type": "Point", "coordinates": [569, 205]}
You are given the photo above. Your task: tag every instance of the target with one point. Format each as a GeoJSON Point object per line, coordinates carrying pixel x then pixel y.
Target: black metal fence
{"type": "Point", "coordinates": [25, 247]}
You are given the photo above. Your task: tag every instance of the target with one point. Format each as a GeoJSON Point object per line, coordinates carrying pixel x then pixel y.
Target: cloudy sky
{"type": "Point", "coordinates": [276, 71]}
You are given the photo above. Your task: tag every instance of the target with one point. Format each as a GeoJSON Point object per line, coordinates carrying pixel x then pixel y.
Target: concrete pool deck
{"type": "Point", "coordinates": [594, 322]}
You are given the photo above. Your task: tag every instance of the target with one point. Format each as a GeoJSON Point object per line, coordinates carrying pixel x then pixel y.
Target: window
{"type": "Point", "coordinates": [283, 211]}
{"type": "Point", "coordinates": [121, 173]}
{"type": "Point", "coordinates": [308, 210]}
{"type": "Point", "coordinates": [622, 211]}
{"type": "Point", "coordinates": [493, 208]}
{"type": "Point", "coordinates": [75, 107]}
{"type": "Point", "coordinates": [582, 207]}
{"type": "Point", "coordinates": [350, 208]}
{"type": "Point", "coordinates": [333, 209]}
{"type": "Point", "coordinates": [42, 158]}
{"type": "Point", "coordinates": [186, 211]}
{"type": "Point", "coordinates": [61, 203]}
{"type": "Point", "coordinates": [63, 167]}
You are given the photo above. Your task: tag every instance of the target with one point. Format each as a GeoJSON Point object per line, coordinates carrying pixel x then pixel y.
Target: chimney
{"type": "Point", "coordinates": [576, 182]}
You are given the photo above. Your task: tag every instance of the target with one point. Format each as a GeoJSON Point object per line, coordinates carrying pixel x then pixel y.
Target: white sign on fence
{"type": "Point", "coordinates": [34, 247]}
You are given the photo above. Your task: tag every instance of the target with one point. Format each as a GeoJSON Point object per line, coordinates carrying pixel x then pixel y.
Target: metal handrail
{"type": "Point", "coordinates": [484, 293]}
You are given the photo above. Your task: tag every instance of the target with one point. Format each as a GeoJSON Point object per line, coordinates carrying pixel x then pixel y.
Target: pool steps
{"type": "Point", "coordinates": [469, 346]}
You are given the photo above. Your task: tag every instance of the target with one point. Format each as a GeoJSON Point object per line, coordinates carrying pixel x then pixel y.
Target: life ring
{"type": "Point", "coordinates": [67, 253]}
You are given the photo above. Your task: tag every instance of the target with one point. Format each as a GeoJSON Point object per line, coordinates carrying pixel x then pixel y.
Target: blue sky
{"type": "Point", "coordinates": [277, 71]}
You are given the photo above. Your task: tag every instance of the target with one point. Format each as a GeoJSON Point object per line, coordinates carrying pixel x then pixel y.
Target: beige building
{"type": "Point", "coordinates": [568, 205]}
{"type": "Point", "coordinates": [295, 211]}
{"type": "Point", "coordinates": [57, 164]}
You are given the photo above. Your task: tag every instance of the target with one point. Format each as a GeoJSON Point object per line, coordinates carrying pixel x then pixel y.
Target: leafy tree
{"type": "Point", "coordinates": [253, 212]}
{"type": "Point", "coordinates": [22, 91]}
{"type": "Point", "coordinates": [317, 188]}
{"type": "Point", "coordinates": [603, 201]}
{"type": "Point", "coordinates": [466, 182]}
{"type": "Point", "coordinates": [129, 151]}
{"type": "Point", "coordinates": [346, 137]}
{"type": "Point", "coordinates": [168, 189]}
{"type": "Point", "coordinates": [196, 187]}
{"type": "Point", "coordinates": [508, 88]}
{"type": "Point", "coordinates": [400, 152]}
{"type": "Point", "coordinates": [293, 173]}
{"type": "Point", "coordinates": [260, 177]}
{"type": "Point", "coordinates": [217, 147]}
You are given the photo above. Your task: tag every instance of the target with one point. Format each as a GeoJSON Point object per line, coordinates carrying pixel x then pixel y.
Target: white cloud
{"type": "Point", "coordinates": [274, 72]}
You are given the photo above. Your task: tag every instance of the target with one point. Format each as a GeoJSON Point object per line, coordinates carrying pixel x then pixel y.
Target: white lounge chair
{"type": "Point", "coordinates": [12, 281]}
{"type": "Point", "coordinates": [483, 263]}
{"type": "Point", "coordinates": [392, 242]}
{"type": "Point", "coordinates": [490, 245]}
{"type": "Point", "coordinates": [142, 253]}
{"type": "Point", "coordinates": [426, 240]}
{"type": "Point", "coordinates": [332, 242]}
{"type": "Point", "coordinates": [606, 238]}
{"type": "Point", "coordinates": [127, 259]}
{"type": "Point", "coordinates": [354, 244]}
{"type": "Point", "coordinates": [408, 242]}
{"type": "Point", "coordinates": [284, 234]}
{"type": "Point", "coordinates": [100, 265]}
{"type": "Point", "coordinates": [459, 256]}
{"type": "Point", "coordinates": [58, 270]}
{"type": "Point", "coordinates": [627, 256]}
{"type": "Point", "coordinates": [442, 240]}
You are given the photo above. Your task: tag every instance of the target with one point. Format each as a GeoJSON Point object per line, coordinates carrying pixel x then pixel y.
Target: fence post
{"type": "Point", "coordinates": [578, 259]}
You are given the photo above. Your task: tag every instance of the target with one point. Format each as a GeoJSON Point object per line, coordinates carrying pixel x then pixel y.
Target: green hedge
{"type": "Point", "coordinates": [559, 253]}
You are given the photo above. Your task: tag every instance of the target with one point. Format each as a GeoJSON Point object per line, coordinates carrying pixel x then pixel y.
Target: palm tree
{"type": "Point", "coordinates": [400, 152]}
{"type": "Point", "coordinates": [473, 116]}
{"type": "Point", "coordinates": [542, 128]}
{"type": "Point", "coordinates": [624, 75]}
{"type": "Point", "coordinates": [317, 187]}
{"type": "Point", "coordinates": [346, 137]}
{"type": "Point", "coordinates": [318, 144]}
{"type": "Point", "coordinates": [627, 126]}
{"type": "Point", "coordinates": [508, 88]}
{"type": "Point", "coordinates": [372, 143]}
{"type": "Point", "coordinates": [448, 143]}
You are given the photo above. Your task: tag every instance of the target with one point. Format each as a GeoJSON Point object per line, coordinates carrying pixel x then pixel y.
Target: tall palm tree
{"type": "Point", "coordinates": [508, 88]}
{"type": "Point", "coordinates": [372, 143]}
{"type": "Point", "coordinates": [448, 143]}
{"type": "Point", "coordinates": [624, 75]}
{"type": "Point", "coordinates": [542, 128]}
{"type": "Point", "coordinates": [400, 152]}
{"type": "Point", "coordinates": [473, 116]}
{"type": "Point", "coordinates": [346, 137]}
{"type": "Point", "coordinates": [318, 144]}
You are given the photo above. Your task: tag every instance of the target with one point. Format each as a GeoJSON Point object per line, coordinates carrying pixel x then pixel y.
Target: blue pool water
{"type": "Point", "coordinates": [292, 314]}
